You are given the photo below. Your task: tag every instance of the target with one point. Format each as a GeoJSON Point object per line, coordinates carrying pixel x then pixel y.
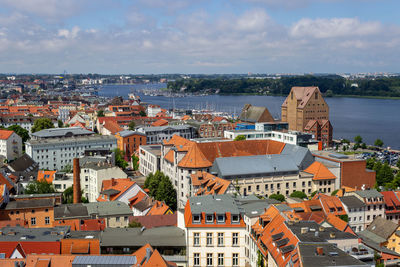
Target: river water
{"type": "Point", "coordinates": [370, 118]}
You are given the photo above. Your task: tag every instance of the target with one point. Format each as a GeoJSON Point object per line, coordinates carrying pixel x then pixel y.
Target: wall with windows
{"type": "Point", "coordinates": [34, 217]}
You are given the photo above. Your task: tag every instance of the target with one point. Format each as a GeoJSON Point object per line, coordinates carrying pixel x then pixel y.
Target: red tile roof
{"type": "Point", "coordinates": [160, 122]}
{"type": "Point", "coordinates": [46, 175]}
{"type": "Point", "coordinates": [112, 126]}
{"type": "Point", "coordinates": [159, 208]}
{"type": "Point", "coordinates": [121, 185]}
{"type": "Point", "coordinates": [5, 134]}
{"type": "Point", "coordinates": [319, 171]}
{"type": "Point", "coordinates": [209, 184]}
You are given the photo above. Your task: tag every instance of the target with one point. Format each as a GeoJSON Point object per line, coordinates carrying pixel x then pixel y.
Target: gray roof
{"type": "Point", "coordinates": [352, 202]}
{"type": "Point", "coordinates": [315, 235]}
{"type": "Point", "coordinates": [252, 206]}
{"type": "Point", "coordinates": [127, 133]}
{"type": "Point", "coordinates": [108, 208]}
{"type": "Point", "coordinates": [165, 236]}
{"type": "Point", "coordinates": [301, 156]}
{"type": "Point", "coordinates": [71, 211]}
{"type": "Point", "coordinates": [17, 233]}
{"type": "Point", "coordinates": [376, 245]}
{"type": "Point", "coordinates": [122, 260]}
{"type": "Point", "coordinates": [37, 195]}
{"type": "Point", "coordinates": [62, 132]}
{"type": "Point", "coordinates": [371, 237]}
{"type": "Point", "coordinates": [153, 149]}
{"type": "Point", "coordinates": [370, 193]}
{"type": "Point", "coordinates": [332, 256]}
{"type": "Point", "coordinates": [23, 163]}
{"type": "Point", "coordinates": [254, 165]}
{"type": "Point", "coordinates": [85, 235]}
{"type": "Point", "coordinates": [210, 204]}
{"type": "Point", "coordinates": [87, 139]}
{"type": "Point", "coordinates": [30, 204]}
{"type": "Point", "coordinates": [382, 227]}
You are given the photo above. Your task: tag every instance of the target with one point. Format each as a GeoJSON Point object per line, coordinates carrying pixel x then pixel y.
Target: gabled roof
{"type": "Point", "coordinates": [150, 221]}
{"type": "Point", "coordinates": [382, 227]}
{"type": "Point", "coordinates": [159, 208]}
{"type": "Point", "coordinates": [302, 94]}
{"type": "Point", "coordinates": [7, 182]}
{"type": "Point", "coordinates": [209, 184]}
{"type": "Point", "coordinates": [352, 202]}
{"type": "Point", "coordinates": [391, 200]}
{"type": "Point", "coordinates": [254, 114]}
{"type": "Point", "coordinates": [160, 122]}
{"type": "Point", "coordinates": [319, 171]}
{"type": "Point", "coordinates": [23, 163]}
{"type": "Point", "coordinates": [119, 186]}
{"type": "Point", "coordinates": [112, 126]}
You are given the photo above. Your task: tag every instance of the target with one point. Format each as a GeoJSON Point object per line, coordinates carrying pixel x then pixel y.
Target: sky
{"type": "Point", "coordinates": [199, 36]}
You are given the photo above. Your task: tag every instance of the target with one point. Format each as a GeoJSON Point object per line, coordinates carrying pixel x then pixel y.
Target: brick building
{"type": "Point", "coordinates": [129, 141]}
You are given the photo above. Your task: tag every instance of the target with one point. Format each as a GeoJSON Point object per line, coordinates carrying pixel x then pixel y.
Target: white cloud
{"type": "Point", "coordinates": [335, 27]}
{"type": "Point", "coordinates": [71, 34]}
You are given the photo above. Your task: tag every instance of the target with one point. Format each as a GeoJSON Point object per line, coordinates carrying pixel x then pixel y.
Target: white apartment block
{"type": "Point", "coordinates": [92, 176]}
{"type": "Point", "coordinates": [57, 153]}
{"type": "Point", "coordinates": [10, 145]}
{"type": "Point", "coordinates": [149, 159]}
{"type": "Point", "coordinates": [355, 209]}
{"type": "Point", "coordinates": [153, 110]}
{"type": "Point", "coordinates": [156, 135]}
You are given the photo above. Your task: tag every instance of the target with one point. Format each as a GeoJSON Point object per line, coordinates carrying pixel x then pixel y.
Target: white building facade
{"type": "Point", "coordinates": [10, 145]}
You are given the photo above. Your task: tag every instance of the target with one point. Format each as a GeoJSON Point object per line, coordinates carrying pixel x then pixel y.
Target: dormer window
{"type": "Point", "coordinates": [235, 218]}
{"type": "Point", "coordinates": [196, 218]}
{"type": "Point", "coordinates": [209, 218]}
{"type": "Point", "coordinates": [220, 218]}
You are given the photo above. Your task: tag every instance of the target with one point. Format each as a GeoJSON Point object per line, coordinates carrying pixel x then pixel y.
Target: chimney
{"type": "Point", "coordinates": [77, 181]}
{"type": "Point", "coordinates": [304, 230]}
{"type": "Point", "coordinates": [113, 182]}
{"type": "Point", "coordinates": [320, 251]}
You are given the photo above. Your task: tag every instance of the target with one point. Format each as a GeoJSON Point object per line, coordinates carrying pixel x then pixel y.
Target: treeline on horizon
{"type": "Point", "coordinates": [332, 85]}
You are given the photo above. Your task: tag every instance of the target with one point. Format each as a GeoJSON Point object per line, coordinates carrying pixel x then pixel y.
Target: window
{"type": "Point", "coordinates": [249, 188]}
{"type": "Point", "coordinates": [117, 219]}
{"type": "Point", "coordinates": [33, 221]}
{"type": "Point", "coordinates": [235, 239]}
{"type": "Point", "coordinates": [258, 187]}
{"type": "Point", "coordinates": [221, 218]}
{"type": "Point", "coordinates": [209, 218]}
{"type": "Point", "coordinates": [220, 239]}
{"type": "Point", "coordinates": [47, 220]}
{"type": "Point", "coordinates": [126, 218]}
{"type": "Point", "coordinates": [220, 259]}
{"type": "Point", "coordinates": [196, 259]}
{"type": "Point", "coordinates": [209, 259]}
{"type": "Point", "coordinates": [235, 218]}
{"type": "Point", "coordinates": [196, 239]}
{"type": "Point", "coordinates": [196, 218]}
{"type": "Point", "coordinates": [235, 259]}
{"type": "Point", "coordinates": [266, 187]}
{"type": "Point", "coordinates": [209, 239]}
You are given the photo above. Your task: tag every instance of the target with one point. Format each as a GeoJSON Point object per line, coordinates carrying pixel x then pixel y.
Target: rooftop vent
{"type": "Point", "coordinates": [304, 230]}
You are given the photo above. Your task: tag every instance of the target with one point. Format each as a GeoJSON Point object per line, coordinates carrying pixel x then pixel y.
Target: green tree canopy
{"type": "Point", "coordinates": [41, 124]}
{"type": "Point", "coordinates": [119, 158]}
{"type": "Point", "coordinates": [68, 196]}
{"type": "Point", "coordinates": [334, 192]}
{"type": "Point", "coordinates": [23, 133]}
{"type": "Point", "coordinates": [39, 187]}
{"type": "Point", "coordinates": [100, 113]}
{"type": "Point", "coordinates": [60, 124]}
{"type": "Point", "coordinates": [298, 194]}
{"type": "Point", "coordinates": [240, 138]}
{"type": "Point", "coordinates": [358, 139]}
{"type": "Point", "coordinates": [278, 197]}
{"type": "Point", "coordinates": [135, 162]}
{"type": "Point", "coordinates": [370, 163]}
{"type": "Point", "coordinates": [378, 142]}
{"type": "Point", "coordinates": [161, 188]}
{"type": "Point", "coordinates": [384, 175]}
{"type": "Point", "coordinates": [132, 125]}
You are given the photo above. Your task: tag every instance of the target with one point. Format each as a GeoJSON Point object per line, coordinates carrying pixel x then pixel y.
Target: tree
{"type": "Point", "coordinates": [334, 192]}
{"type": "Point", "coordinates": [41, 124]}
{"type": "Point", "coordinates": [345, 141]}
{"type": "Point", "coordinates": [132, 125]}
{"type": "Point", "coordinates": [314, 193]}
{"type": "Point", "coordinates": [135, 224]}
{"type": "Point", "coordinates": [161, 188]}
{"type": "Point", "coordinates": [260, 259]}
{"type": "Point", "coordinates": [344, 217]}
{"type": "Point", "coordinates": [142, 113]}
{"type": "Point", "coordinates": [67, 169]}
{"type": "Point", "coordinates": [39, 187]}
{"type": "Point", "coordinates": [363, 146]}
{"type": "Point", "coordinates": [23, 133]}
{"type": "Point", "coordinates": [358, 139]}
{"type": "Point", "coordinates": [240, 138]}
{"type": "Point", "coordinates": [68, 196]}
{"type": "Point", "coordinates": [384, 175]}
{"type": "Point", "coordinates": [60, 124]}
{"type": "Point", "coordinates": [119, 158]}
{"type": "Point", "coordinates": [370, 163]}
{"type": "Point", "coordinates": [398, 164]}
{"type": "Point", "coordinates": [135, 162]}
{"type": "Point", "coordinates": [100, 113]}
{"type": "Point", "coordinates": [166, 192]}
{"type": "Point", "coordinates": [298, 194]}
{"type": "Point", "coordinates": [378, 142]}
{"type": "Point", "coordinates": [278, 197]}
{"type": "Point", "coordinates": [356, 146]}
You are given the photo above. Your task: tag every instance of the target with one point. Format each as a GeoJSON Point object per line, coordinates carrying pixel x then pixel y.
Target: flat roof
{"type": "Point", "coordinates": [17, 233]}
{"type": "Point", "coordinates": [62, 132]}
{"type": "Point", "coordinates": [335, 156]}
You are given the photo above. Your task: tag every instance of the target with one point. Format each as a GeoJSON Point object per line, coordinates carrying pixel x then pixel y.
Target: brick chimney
{"type": "Point", "coordinates": [320, 251]}
{"type": "Point", "coordinates": [77, 181]}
